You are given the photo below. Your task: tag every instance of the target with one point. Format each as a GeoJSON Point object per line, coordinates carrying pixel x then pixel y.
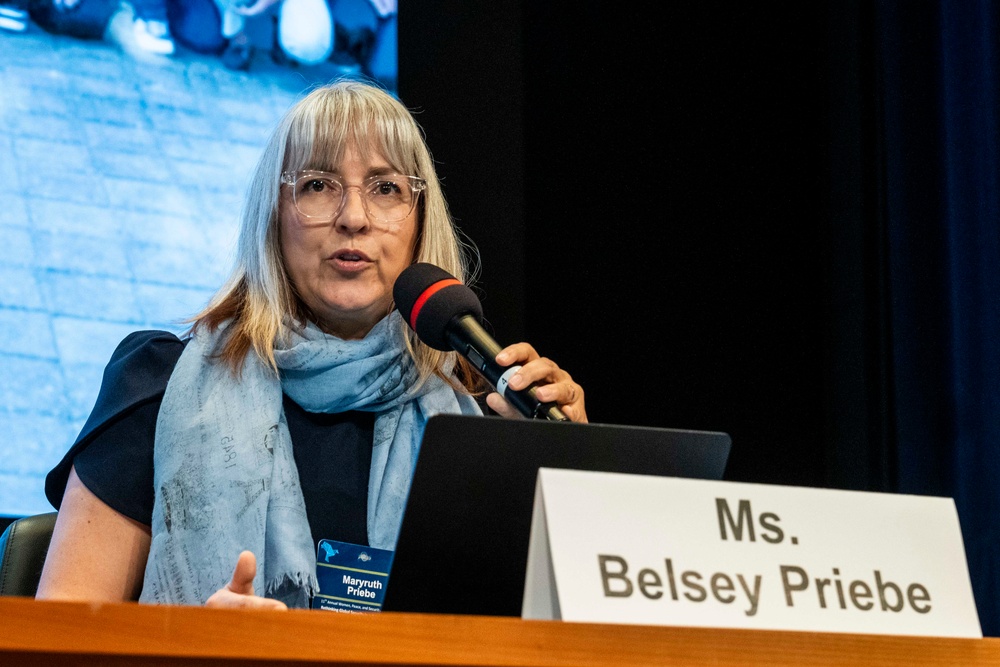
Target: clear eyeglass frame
{"type": "Point", "coordinates": [295, 178]}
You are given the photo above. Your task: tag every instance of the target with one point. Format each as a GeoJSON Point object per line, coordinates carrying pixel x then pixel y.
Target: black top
{"type": "Point", "coordinates": [113, 454]}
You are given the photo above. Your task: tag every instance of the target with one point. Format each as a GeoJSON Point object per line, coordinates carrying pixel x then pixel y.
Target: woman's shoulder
{"type": "Point", "coordinates": [148, 344]}
{"type": "Point", "coordinates": [144, 357]}
{"type": "Point", "coordinates": [136, 375]}
{"type": "Point", "coordinates": [138, 371]}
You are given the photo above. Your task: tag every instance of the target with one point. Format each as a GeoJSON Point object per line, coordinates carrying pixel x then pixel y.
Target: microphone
{"type": "Point", "coordinates": [447, 316]}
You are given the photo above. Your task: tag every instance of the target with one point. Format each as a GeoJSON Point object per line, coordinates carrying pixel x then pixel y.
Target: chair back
{"type": "Point", "coordinates": [23, 547]}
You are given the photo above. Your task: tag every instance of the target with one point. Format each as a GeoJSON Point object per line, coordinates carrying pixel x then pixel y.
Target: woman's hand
{"type": "Point", "coordinates": [238, 593]}
{"type": "Point", "coordinates": [553, 384]}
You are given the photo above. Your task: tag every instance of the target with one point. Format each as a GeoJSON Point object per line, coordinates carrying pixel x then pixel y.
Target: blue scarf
{"type": "Point", "coordinates": [224, 475]}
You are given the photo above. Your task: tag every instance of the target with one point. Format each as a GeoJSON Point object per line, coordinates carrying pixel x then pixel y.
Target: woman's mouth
{"type": "Point", "coordinates": [350, 260]}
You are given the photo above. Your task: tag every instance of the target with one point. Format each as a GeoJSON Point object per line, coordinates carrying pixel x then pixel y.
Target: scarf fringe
{"type": "Point", "coordinates": [292, 584]}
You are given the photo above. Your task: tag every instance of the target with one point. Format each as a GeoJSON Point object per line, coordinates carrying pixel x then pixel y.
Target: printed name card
{"type": "Point", "coordinates": [637, 549]}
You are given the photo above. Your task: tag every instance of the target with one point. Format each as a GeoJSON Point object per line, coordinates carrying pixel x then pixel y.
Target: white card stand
{"type": "Point", "coordinates": [637, 549]}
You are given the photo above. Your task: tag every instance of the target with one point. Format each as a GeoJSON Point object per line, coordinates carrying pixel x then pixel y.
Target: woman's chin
{"type": "Point", "coordinates": [347, 319]}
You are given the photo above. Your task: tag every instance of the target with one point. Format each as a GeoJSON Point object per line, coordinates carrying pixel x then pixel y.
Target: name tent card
{"type": "Point", "coordinates": [642, 549]}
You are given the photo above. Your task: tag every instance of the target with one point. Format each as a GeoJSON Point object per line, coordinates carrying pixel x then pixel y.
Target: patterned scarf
{"type": "Point", "coordinates": [224, 474]}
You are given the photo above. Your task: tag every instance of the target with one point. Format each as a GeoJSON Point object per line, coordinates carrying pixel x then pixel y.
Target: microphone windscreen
{"type": "Point", "coordinates": [428, 298]}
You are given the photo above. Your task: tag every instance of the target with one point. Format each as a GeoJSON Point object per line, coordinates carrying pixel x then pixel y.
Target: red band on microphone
{"type": "Point", "coordinates": [427, 294]}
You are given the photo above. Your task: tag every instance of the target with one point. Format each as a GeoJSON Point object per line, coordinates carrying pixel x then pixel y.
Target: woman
{"type": "Point", "coordinates": [186, 464]}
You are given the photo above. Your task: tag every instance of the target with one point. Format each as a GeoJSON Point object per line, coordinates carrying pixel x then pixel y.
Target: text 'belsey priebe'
{"type": "Point", "coordinates": [672, 583]}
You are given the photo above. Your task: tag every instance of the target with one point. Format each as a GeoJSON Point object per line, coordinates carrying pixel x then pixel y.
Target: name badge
{"type": "Point", "coordinates": [352, 578]}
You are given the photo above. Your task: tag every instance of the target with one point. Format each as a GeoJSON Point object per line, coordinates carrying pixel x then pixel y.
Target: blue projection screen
{"type": "Point", "coordinates": [124, 157]}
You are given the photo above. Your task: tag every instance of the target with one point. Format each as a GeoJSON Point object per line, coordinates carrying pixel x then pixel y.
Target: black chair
{"type": "Point", "coordinates": [22, 553]}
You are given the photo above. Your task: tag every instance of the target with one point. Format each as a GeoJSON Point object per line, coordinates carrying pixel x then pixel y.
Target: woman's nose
{"type": "Point", "coordinates": [352, 217]}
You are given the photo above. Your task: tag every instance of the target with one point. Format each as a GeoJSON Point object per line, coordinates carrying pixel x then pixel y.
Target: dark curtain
{"type": "Point", "coordinates": [936, 258]}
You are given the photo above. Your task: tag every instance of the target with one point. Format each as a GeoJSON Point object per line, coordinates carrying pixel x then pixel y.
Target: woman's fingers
{"type": "Point", "coordinates": [226, 599]}
{"type": "Point", "coordinates": [243, 574]}
{"type": "Point", "coordinates": [238, 593]}
{"type": "Point", "coordinates": [552, 384]}
{"type": "Point", "coordinates": [498, 405]}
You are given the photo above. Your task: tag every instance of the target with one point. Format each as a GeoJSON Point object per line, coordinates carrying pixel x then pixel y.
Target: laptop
{"type": "Point", "coordinates": [463, 543]}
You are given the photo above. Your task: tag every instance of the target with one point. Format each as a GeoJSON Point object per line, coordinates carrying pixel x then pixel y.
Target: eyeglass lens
{"type": "Point", "coordinates": [386, 198]}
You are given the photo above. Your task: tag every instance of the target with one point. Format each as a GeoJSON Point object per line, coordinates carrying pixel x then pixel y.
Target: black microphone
{"type": "Point", "coordinates": [447, 316]}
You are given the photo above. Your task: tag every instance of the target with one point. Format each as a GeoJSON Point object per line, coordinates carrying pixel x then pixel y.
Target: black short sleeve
{"type": "Point", "coordinates": [113, 454]}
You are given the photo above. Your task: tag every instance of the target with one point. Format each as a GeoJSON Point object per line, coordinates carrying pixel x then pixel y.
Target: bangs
{"type": "Point", "coordinates": [318, 136]}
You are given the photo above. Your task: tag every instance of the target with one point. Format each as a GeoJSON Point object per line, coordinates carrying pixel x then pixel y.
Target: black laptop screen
{"type": "Point", "coordinates": [463, 544]}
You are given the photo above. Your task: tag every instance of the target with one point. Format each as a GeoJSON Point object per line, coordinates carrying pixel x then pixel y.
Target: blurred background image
{"type": "Point", "coordinates": [128, 132]}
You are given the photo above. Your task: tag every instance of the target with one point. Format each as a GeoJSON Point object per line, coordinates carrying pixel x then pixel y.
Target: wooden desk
{"type": "Point", "coordinates": [65, 634]}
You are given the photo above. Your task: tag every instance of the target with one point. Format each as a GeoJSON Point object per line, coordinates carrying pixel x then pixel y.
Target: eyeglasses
{"type": "Point", "coordinates": [320, 195]}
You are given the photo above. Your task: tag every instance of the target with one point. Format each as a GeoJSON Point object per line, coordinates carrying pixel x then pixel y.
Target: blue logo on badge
{"type": "Point", "coordinates": [330, 551]}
